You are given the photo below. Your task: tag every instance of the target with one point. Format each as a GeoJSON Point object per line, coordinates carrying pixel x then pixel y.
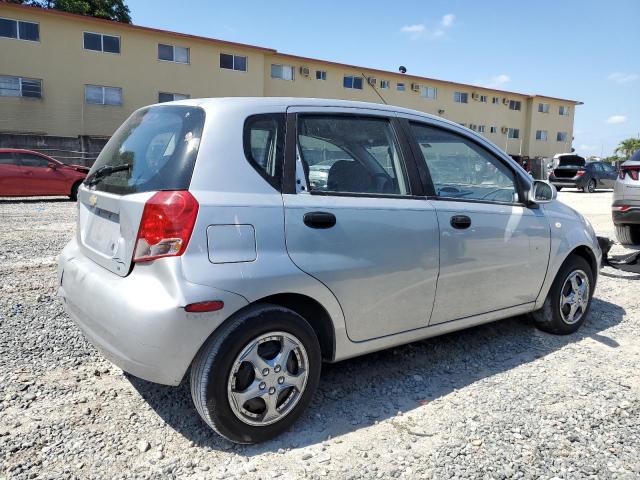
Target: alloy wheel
{"type": "Point", "coordinates": [574, 297]}
{"type": "Point", "coordinates": [268, 378]}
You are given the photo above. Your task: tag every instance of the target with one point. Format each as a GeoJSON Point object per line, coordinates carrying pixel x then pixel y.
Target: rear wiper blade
{"type": "Point", "coordinates": [105, 171]}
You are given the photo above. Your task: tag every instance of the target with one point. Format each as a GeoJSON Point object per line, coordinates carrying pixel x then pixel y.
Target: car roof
{"type": "Point", "coordinates": [23, 150]}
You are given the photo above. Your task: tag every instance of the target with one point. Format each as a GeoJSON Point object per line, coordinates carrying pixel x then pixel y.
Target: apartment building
{"type": "Point", "coordinates": [71, 76]}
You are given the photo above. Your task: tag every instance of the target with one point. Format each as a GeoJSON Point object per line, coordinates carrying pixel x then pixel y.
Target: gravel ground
{"type": "Point", "coordinates": [498, 401]}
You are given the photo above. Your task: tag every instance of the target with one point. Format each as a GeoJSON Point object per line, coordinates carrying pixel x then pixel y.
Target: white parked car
{"type": "Point", "coordinates": [626, 202]}
{"type": "Point", "coordinates": [251, 239]}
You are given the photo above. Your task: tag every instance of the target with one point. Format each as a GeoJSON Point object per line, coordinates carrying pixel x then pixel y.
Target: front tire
{"type": "Point", "coordinates": [252, 380]}
{"type": "Point", "coordinates": [628, 234]}
{"type": "Point", "coordinates": [569, 298]}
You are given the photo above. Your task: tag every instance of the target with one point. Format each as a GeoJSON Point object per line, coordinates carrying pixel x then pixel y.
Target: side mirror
{"type": "Point", "coordinates": [542, 192]}
{"type": "Point", "coordinates": [52, 166]}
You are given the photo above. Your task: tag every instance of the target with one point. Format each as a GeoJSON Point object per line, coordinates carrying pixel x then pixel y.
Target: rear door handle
{"type": "Point", "coordinates": [460, 222]}
{"type": "Point", "coordinates": [319, 219]}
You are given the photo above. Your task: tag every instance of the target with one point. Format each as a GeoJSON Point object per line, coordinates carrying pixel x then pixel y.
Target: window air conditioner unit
{"type": "Point", "coordinates": [305, 71]}
{"type": "Point", "coordinates": [372, 81]}
{"type": "Point", "coordinates": [415, 87]}
{"type": "Point", "coordinates": [475, 96]}
{"type": "Point", "coordinates": [504, 129]}
{"type": "Point", "coordinates": [505, 101]}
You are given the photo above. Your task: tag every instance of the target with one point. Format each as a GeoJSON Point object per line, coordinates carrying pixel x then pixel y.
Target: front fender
{"type": "Point", "coordinates": [569, 231]}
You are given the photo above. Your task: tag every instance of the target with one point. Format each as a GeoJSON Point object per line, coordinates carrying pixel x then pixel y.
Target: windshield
{"type": "Point", "coordinates": [155, 149]}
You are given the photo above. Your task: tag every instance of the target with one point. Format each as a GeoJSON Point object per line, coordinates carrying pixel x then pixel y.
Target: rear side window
{"type": "Point", "coordinates": [264, 145]}
{"type": "Point", "coordinates": [29, 160]}
{"type": "Point", "coordinates": [155, 149]}
{"type": "Point", "coordinates": [7, 158]}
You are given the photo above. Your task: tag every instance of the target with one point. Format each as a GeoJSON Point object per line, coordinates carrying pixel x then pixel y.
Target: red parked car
{"type": "Point", "coordinates": [26, 173]}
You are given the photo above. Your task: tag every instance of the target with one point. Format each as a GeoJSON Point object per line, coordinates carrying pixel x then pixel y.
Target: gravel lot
{"type": "Point", "coordinates": [498, 401]}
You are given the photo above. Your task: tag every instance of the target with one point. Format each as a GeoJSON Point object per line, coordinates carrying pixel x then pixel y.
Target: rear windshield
{"type": "Point", "coordinates": [571, 160]}
{"type": "Point", "coordinates": [155, 149]}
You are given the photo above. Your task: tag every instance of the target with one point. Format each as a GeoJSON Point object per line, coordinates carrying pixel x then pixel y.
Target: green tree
{"type": "Point", "coordinates": [115, 10]}
{"type": "Point", "coordinates": [628, 147]}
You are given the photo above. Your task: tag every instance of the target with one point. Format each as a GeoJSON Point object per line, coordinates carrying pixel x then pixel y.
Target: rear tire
{"type": "Point", "coordinates": [558, 189]}
{"type": "Point", "coordinates": [73, 195]}
{"type": "Point", "coordinates": [246, 393]}
{"type": "Point", "coordinates": [628, 234]}
{"type": "Point", "coordinates": [591, 186]}
{"type": "Point", "coordinates": [554, 316]}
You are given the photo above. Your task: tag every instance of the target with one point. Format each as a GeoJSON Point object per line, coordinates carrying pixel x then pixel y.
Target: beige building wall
{"type": "Point", "coordinates": [65, 67]}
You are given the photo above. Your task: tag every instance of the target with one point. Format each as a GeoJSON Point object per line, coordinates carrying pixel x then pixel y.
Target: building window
{"type": "Point", "coordinates": [400, 87]}
{"type": "Point", "coordinates": [562, 110]}
{"type": "Point", "coordinates": [493, 129]}
{"type": "Point", "coordinates": [171, 53]}
{"type": "Point", "coordinates": [20, 30]}
{"type": "Point", "coordinates": [561, 137]}
{"type": "Point", "coordinates": [233, 62]}
{"type": "Point", "coordinates": [515, 105]}
{"type": "Point", "coordinates": [461, 97]}
{"type": "Point", "coordinates": [484, 98]}
{"type": "Point", "coordinates": [99, 95]}
{"type": "Point", "coordinates": [20, 87]}
{"type": "Point", "coordinates": [543, 107]}
{"type": "Point", "coordinates": [473, 126]}
{"type": "Point", "coordinates": [101, 43]}
{"type": "Point", "coordinates": [384, 84]}
{"type": "Point", "coordinates": [351, 81]}
{"type": "Point", "coordinates": [495, 100]}
{"type": "Point", "coordinates": [170, 97]}
{"type": "Point", "coordinates": [481, 128]}
{"type": "Point", "coordinates": [513, 133]}
{"type": "Point", "coordinates": [541, 135]}
{"type": "Point", "coordinates": [321, 75]}
{"type": "Point", "coordinates": [429, 92]}
{"type": "Point", "coordinates": [283, 72]}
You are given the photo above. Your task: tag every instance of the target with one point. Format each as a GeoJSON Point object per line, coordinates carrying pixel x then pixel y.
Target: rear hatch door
{"type": "Point", "coordinates": [568, 166]}
{"type": "Point", "coordinates": [154, 150]}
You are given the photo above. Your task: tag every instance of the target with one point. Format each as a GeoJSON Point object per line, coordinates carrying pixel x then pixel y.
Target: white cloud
{"type": "Point", "coordinates": [497, 81]}
{"type": "Point", "coordinates": [420, 30]}
{"type": "Point", "coordinates": [620, 77]}
{"type": "Point", "coordinates": [447, 20]}
{"type": "Point", "coordinates": [616, 119]}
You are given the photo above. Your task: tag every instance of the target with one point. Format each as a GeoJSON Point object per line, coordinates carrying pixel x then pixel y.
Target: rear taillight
{"type": "Point", "coordinates": [166, 225]}
{"type": "Point", "coordinates": [579, 173]}
{"type": "Point", "coordinates": [633, 172]}
{"type": "Point", "coordinates": [620, 208]}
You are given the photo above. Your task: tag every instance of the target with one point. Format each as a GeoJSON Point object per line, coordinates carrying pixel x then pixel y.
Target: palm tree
{"type": "Point", "coordinates": [628, 147]}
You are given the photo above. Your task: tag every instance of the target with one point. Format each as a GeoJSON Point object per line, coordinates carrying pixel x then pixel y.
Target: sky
{"type": "Point", "coordinates": [581, 50]}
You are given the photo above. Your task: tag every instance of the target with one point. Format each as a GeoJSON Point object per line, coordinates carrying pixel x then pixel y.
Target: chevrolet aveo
{"type": "Point", "coordinates": [247, 240]}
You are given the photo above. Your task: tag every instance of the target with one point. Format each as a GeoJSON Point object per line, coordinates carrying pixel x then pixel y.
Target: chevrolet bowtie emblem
{"type": "Point", "coordinates": [93, 200]}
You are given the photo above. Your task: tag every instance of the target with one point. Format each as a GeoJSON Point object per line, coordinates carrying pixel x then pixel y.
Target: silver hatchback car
{"type": "Point", "coordinates": [626, 202]}
{"type": "Point", "coordinates": [202, 245]}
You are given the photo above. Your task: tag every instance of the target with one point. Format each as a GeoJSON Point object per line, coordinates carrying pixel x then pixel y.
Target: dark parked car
{"type": "Point", "coordinates": [574, 171]}
{"type": "Point", "coordinates": [26, 173]}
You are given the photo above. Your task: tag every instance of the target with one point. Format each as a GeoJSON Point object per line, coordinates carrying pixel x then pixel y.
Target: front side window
{"type": "Point", "coordinates": [264, 145]}
{"type": "Point", "coordinates": [233, 62]}
{"type": "Point", "coordinates": [155, 149]}
{"type": "Point", "coordinates": [20, 87]}
{"type": "Point", "coordinates": [345, 154]}
{"type": "Point", "coordinates": [429, 92]}
{"type": "Point", "coordinates": [561, 137]}
{"type": "Point", "coordinates": [100, 95]}
{"type": "Point", "coordinates": [170, 97]}
{"type": "Point", "coordinates": [21, 30]}
{"type": "Point", "coordinates": [541, 135]}
{"type": "Point", "coordinates": [101, 43]}
{"type": "Point", "coordinates": [351, 81]}
{"type": "Point", "coordinates": [172, 53]}
{"type": "Point", "coordinates": [282, 72]}
{"type": "Point", "coordinates": [515, 105]}
{"type": "Point", "coordinates": [461, 97]}
{"type": "Point", "coordinates": [33, 161]}
{"type": "Point", "coordinates": [462, 170]}
{"type": "Point", "coordinates": [543, 107]}
{"type": "Point", "coordinates": [513, 133]}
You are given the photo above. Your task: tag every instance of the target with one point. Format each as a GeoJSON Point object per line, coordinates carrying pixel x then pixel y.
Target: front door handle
{"type": "Point", "coordinates": [319, 219]}
{"type": "Point", "coordinates": [460, 222]}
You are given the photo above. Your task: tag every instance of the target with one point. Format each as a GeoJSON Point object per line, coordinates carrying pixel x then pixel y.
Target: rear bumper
{"type": "Point", "coordinates": [565, 182]}
{"type": "Point", "coordinates": [630, 216]}
{"type": "Point", "coordinates": [138, 322]}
